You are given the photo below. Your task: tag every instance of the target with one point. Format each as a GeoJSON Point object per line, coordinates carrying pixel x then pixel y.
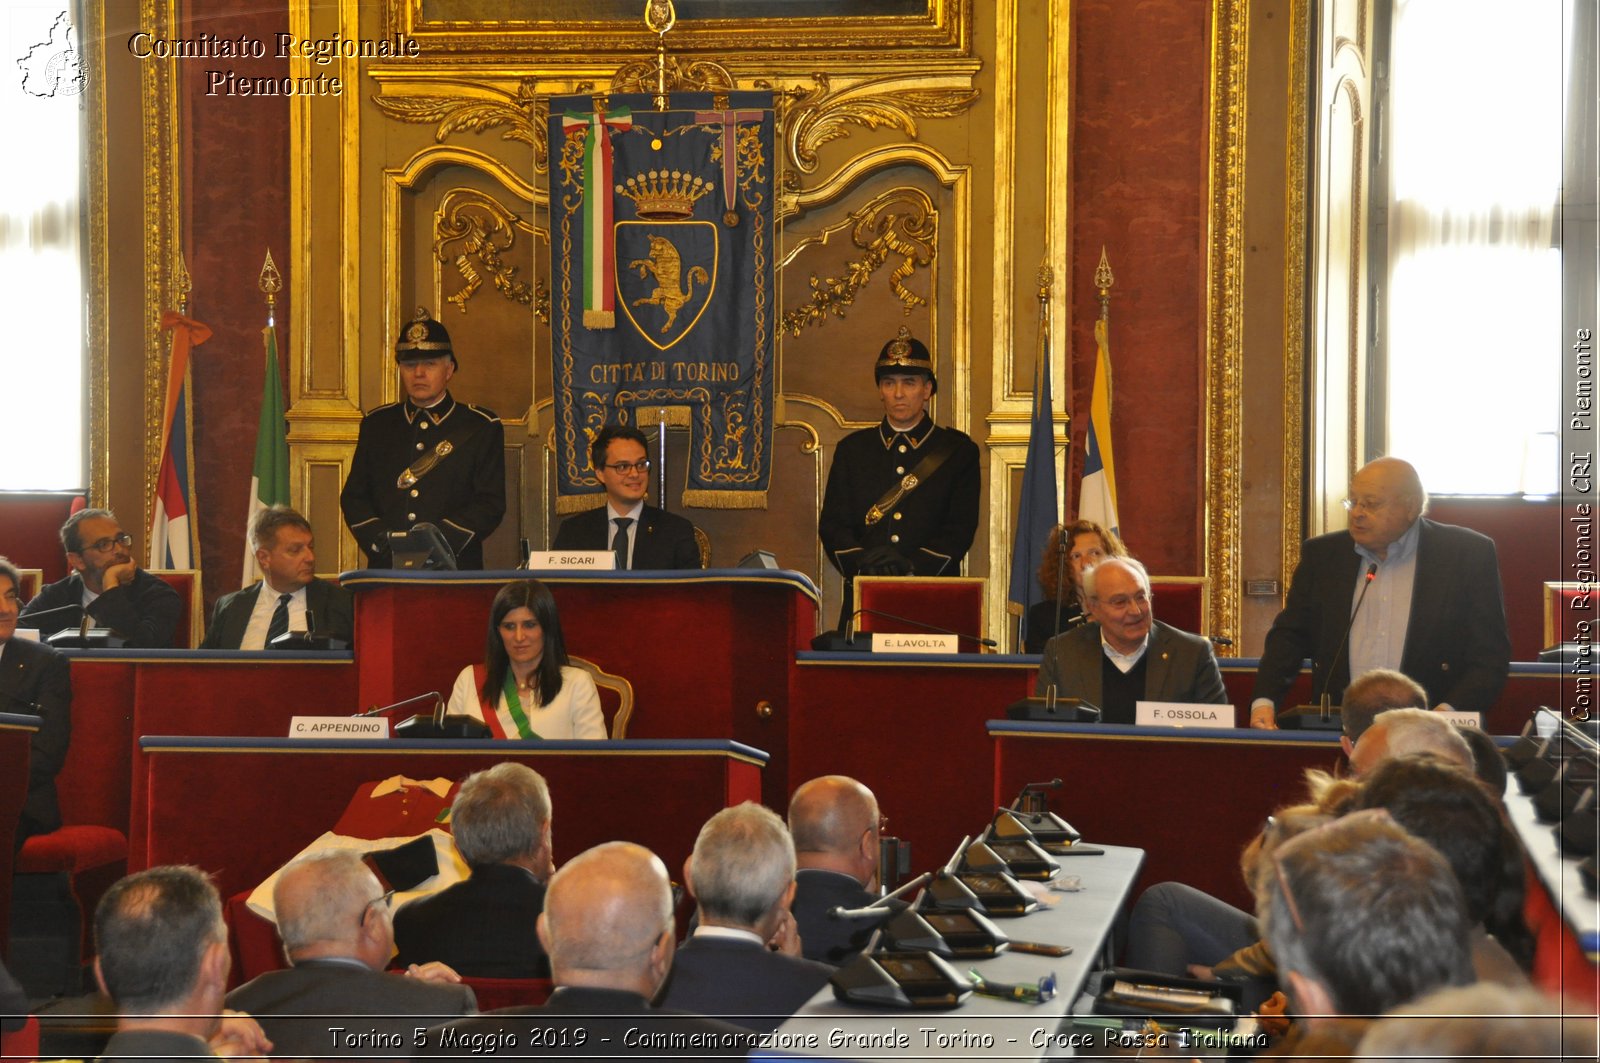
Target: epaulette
{"type": "Point", "coordinates": [486, 414]}
{"type": "Point", "coordinates": [379, 409]}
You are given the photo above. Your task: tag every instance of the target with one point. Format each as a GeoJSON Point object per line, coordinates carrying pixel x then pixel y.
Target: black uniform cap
{"type": "Point", "coordinates": [905, 355]}
{"type": "Point", "coordinates": [423, 338]}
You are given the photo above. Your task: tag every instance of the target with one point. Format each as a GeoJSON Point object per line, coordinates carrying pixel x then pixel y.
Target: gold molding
{"type": "Point", "coordinates": [483, 228]}
{"type": "Point", "coordinates": [98, 208]}
{"type": "Point", "coordinates": [1003, 280]}
{"type": "Point", "coordinates": [895, 101]}
{"type": "Point", "coordinates": [1294, 288]}
{"type": "Point", "coordinates": [945, 28]}
{"type": "Point", "coordinates": [1224, 393]}
{"type": "Point", "coordinates": [158, 99]}
{"type": "Point", "coordinates": [478, 108]}
{"type": "Point", "coordinates": [879, 231]}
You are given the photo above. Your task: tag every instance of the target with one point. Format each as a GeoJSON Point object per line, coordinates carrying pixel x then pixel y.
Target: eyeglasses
{"type": "Point", "coordinates": [1122, 601]}
{"type": "Point", "coordinates": [1366, 505]}
{"type": "Point", "coordinates": [882, 825]}
{"type": "Point", "coordinates": [102, 545]}
{"type": "Point", "coordinates": [623, 468]}
{"type": "Point", "coordinates": [382, 904]}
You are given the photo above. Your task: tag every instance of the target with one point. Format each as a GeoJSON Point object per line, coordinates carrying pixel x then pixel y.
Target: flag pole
{"type": "Point", "coordinates": [1103, 280]}
{"type": "Point", "coordinates": [269, 475]}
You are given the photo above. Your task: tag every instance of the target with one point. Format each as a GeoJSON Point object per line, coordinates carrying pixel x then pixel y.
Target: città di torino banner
{"type": "Point", "coordinates": [661, 246]}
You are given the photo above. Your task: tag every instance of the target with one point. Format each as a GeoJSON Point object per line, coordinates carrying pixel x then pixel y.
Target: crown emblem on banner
{"type": "Point", "coordinates": [659, 194]}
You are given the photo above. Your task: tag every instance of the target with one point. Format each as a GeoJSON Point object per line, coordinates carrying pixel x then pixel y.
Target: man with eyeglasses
{"type": "Point", "coordinates": [642, 536]}
{"type": "Point", "coordinates": [1127, 656]}
{"type": "Point", "coordinates": [837, 828]}
{"type": "Point", "coordinates": [1396, 590]}
{"type": "Point", "coordinates": [427, 459]}
{"type": "Point", "coordinates": [34, 680]}
{"type": "Point", "coordinates": [107, 585]}
{"type": "Point", "coordinates": [336, 999]}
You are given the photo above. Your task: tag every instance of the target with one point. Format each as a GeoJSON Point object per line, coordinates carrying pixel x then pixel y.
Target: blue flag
{"type": "Point", "coordinates": [1039, 510]}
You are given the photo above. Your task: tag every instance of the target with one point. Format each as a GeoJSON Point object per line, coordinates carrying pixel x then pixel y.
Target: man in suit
{"type": "Point", "coordinates": [288, 597]}
{"type": "Point", "coordinates": [333, 918]}
{"type": "Point", "coordinates": [108, 585]}
{"type": "Point", "coordinates": [161, 955]}
{"type": "Point", "coordinates": [1126, 656]}
{"type": "Point", "coordinates": [1395, 590]}
{"type": "Point", "coordinates": [609, 931]}
{"type": "Point", "coordinates": [742, 964]}
{"type": "Point", "coordinates": [428, 459]}
{"type": "Point", "coordinates": [836, 827]}
{"type": "Point", "coordinates": [642, 536]}
{"type": "Point", "coordinates": [902, 496]}
{"type": "Point", "coordinates": [483, 926]}
{"type": "Point", "coordinates": [34, 680]}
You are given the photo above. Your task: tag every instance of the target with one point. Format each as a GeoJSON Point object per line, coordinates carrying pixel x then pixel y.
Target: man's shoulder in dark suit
{"type": "Point", "coordinates": [582, 531]}
{"type": "Point", "coordinates": [483, 927]}
{"type": "Point", "coordinates": [292, 1007]}
{"type": "Point", "coordinates": [229, 617]}
{"type": "Point", "coordinates": [742, 982]}
{"type": "Point", "coordinates": [822, 938]}
{"type": "Point", "coordinates": [579, 1021]}
{"type": "Point", "coordinates": [667, 541]}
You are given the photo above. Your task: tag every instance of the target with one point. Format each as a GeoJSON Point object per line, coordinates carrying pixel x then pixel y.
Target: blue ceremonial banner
{"type": "Point", "coordinates": [1039, 511]}
{"type": "Point", "coordinates": [661, 248]}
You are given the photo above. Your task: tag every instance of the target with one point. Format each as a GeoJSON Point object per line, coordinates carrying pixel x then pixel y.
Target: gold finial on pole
{"type": "Point", "coordinates": [1046, 278]}
{"type": "Point", "coordinates": [270, 282]}
{"type": "Point", "coordinates": [1104, 280]}
{"type": "Point", "coordinates": [660, 16]}
{"type": "Point", "coordinates": [182, 283]}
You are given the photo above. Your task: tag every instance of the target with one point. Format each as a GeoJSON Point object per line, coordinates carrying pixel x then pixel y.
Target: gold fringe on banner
{"type": "Point", "coordinates": [702, 499]}
{"type": "Point", "coordinates": [675, 416]}
{"type": "Point", "coordinates": [568, 504]}
{"type": "Point", "coordinates": [599, 319]}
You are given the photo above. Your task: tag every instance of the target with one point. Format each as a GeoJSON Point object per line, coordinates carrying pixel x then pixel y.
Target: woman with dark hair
{"type": "Point", "coordinates": [1071, 549]}
{"type": "Point", "coordinates": [526, 687]}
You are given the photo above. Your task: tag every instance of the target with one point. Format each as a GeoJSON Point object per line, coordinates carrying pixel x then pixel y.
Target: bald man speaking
{"type": "Point", "coordinates": [1424, 597]}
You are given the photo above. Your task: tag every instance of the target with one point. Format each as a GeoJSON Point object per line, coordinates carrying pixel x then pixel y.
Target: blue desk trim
{"type": "Point", "coordinates": [366, 578]}
{"type": "Point", "coordinates": [18, 721]}
{"type": "Point", "coordinates": [677, 746]}
{"type": "Point", "coordinates": [1011, 660]}
{"type": "Point", "coordinates": [1020, 728]}
{"type": "Point", "coordinates": [218, 656]}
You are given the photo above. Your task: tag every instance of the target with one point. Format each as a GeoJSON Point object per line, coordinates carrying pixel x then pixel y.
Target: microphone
{"type": "Point", "coordinates": [23, 618]}
{"type": "Point", "coordinates": [1220, 640]}
{"type": "Point", "coordinates": [1061, 576]}
{"type": "Point", "coordinates": [1323, 710]}
{"type": "Point", "coordinates": [883, 906]}
{"type": "Point", "coordinates": [438, 708]}
{"type": "Point", "coordinates": [850, 624]}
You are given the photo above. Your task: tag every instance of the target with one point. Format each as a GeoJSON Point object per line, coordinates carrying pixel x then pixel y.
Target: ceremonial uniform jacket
{"type": "Point", "coordinates": [464, 493]}
{"type": "Point", "coordinates": [932, 525]}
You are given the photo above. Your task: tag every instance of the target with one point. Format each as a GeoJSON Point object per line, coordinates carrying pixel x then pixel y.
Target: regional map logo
{"type": "Point", "coordinates": [53, 67]}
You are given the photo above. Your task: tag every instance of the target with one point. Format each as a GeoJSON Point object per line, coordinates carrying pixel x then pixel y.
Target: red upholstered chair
{"type": "Point", "coordinates": [616, 697]}
{"type": "Point", "coordinates": [93, 858]}
{"type": "Point", "coordinates": [509, 992]}
{"type": "Point", "coordinates": [23, 1043]}
{"type": "Point", "coordinates": [32, 580]}
{"type": "Point", "coordinates": [954, 603]}
{"type": "Point", "coordinates": [253, 940]}
{"type": "Point", "coordinates": [1563, 599]}
{"type": "Point", "coordinates": [192, 621]}
{"type": "Point", "coordinates": [1182, 601]}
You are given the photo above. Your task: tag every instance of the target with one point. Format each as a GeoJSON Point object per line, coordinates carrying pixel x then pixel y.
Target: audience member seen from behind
{"type": "Point", "coordinates": [1448, 808]}
{"type": "Point", "coordinates": [743, 963]}
{"type": "Point", "coordinates": [607, 925]}
{"type": "Point", "coordinates": [527, 686]}
{"type": "Point", "coordinates": [1478, 1022]}
{"type": "Point", "coordinates": [1071, 549]}
{"type": "Point", "coordinates": [333, 918]}
{"type": "Point", "coordinates": [1398, 732]}
{"type": "Point", "coordinates": [483, 927]}
{"type": "Point", "coordinates": [162, 957]}
{"type": "Point", "coordinates": [1373, 692]}
{"type": "Point", "coordinates": [837, 828]}
{"type": "Point", "coordinates": [1362, 917]}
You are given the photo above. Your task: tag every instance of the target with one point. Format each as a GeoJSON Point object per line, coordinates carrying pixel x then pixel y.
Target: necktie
{"type": "Point", "coordinates": [619, 543]}
{"type": "Point", "coordinates": [280, 619]}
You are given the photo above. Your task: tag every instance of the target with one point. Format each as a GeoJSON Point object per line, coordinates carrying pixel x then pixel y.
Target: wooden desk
{"type": "Point", "coordinates": [1192, 799]}
{"type": "Point", "coordinates": [240, 809]}
{"type": "Point", "coordinates": [982, 1027]}
{"type": "Point", "coordinates": [16, 735]}
{"type": "Point", "coordinates": [708, 652]}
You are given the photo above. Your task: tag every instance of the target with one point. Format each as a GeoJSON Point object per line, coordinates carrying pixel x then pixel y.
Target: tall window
{"type": "Point", "coordinates": [1473, 307]}
{"type": "Point", "coordinates": [41, 351]}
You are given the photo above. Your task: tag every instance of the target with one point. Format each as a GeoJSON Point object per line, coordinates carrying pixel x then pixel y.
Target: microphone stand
{"type": "Point", "coordinates": [1061, 577]}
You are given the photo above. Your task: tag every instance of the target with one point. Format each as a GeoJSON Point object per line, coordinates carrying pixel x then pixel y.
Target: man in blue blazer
{"type": "Point", "coordinates": [1415, 596]}
{"type": "Point", "coordinates": [742, 964]}
{"type": "Point", "coordinates": [1126, 655]}
{"type": "Point", "coordinates": [288, 596]}
{"type": "Point", "coordinates": [642, 536]}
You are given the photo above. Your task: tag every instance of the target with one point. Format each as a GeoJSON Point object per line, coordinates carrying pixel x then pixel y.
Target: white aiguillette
{"type": "Point", "coordinates": [1471, 720]}
{"type": "Point", "coordinates": [895, 642]}
{"type": "Point", "coordinates": [594, 560]}
{"type": "Point", "coordinates": [1182, 714]}
{"type": "Point", "coordinates": [323, 728]}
